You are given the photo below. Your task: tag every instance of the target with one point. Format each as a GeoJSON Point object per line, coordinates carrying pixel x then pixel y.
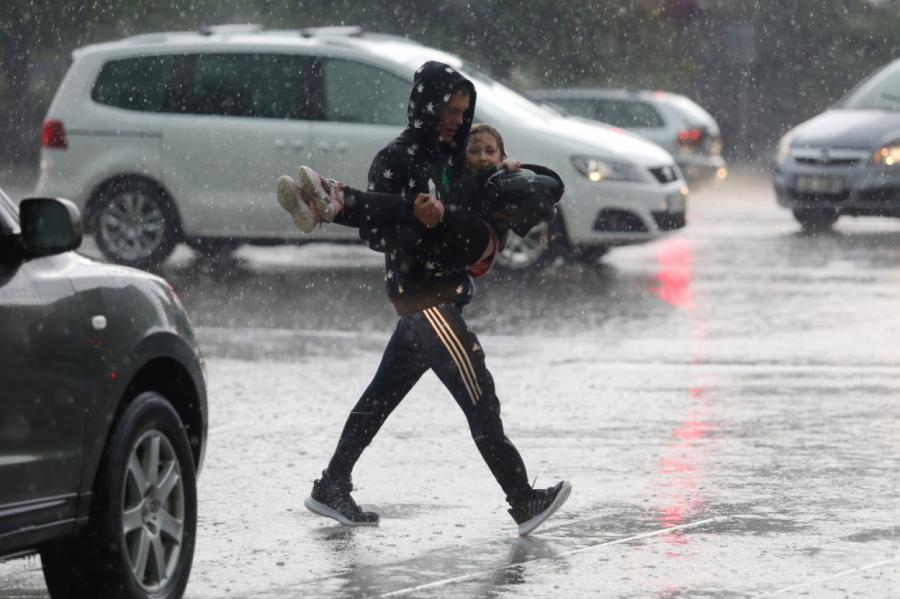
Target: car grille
{"type": "Point", "coordinates": [665, 174]}
{"type": "Point", "coordinates": [826, 161]}
{"type": "Point", "coordinates": [811, 198]}
{"type": "Point", "coordinates": [612, 220]}
{"type": "Point", "coordinates": [667, 221]}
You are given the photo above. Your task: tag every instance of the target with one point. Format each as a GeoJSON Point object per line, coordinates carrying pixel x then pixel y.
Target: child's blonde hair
{"type": "Point", "coordinates": [482, 129]}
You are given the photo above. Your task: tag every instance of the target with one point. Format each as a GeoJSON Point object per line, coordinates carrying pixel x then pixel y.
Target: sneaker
{"type": "Point", "coordinates": [325, 194]}
{"type": "Point", "coordinates": [288, 194]}
{"type": "Point", "coordinates": [538, 506]}
{"type": "Point", "coordinates": [333, 500]}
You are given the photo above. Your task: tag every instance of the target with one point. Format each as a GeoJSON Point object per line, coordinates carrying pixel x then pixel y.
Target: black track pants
{"type": "Point", "coordinates": [435, 338]}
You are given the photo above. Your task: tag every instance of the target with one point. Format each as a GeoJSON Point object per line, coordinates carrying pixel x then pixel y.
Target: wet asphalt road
{"type": "Point", "coordinates": [726, 403]}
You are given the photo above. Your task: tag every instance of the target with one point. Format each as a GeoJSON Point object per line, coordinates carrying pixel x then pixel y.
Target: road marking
{"type": "Point", "coordinates": [646, 535]}
{"type": "Point", "coordinates": [833, 577]}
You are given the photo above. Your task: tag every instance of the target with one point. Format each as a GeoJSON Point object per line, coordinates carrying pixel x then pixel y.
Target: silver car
{"type": "Point", "coordinates": [845, 161]}
{"type": "Point", "coordinates": [672, 121]}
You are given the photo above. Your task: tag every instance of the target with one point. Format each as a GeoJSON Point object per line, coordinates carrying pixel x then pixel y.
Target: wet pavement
{"type": "Point", "coordinates": [724, 401]}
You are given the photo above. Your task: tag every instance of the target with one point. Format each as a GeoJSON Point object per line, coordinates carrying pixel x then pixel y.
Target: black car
{"type": "Point", "coordinates": [103, 413]}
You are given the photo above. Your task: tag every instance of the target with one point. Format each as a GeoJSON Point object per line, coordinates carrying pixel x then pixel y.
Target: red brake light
{"type": "Point", "coordinates": [53, 135]}
{"type": "Point", "coordinates": [690, 137]}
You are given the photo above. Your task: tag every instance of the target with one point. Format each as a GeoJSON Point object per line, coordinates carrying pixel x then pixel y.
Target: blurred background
{"type": "Point", "coordinates": [759, 67]}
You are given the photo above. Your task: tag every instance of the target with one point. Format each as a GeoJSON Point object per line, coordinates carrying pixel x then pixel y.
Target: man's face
{"type": "Point", "coordinates": [452, 116]}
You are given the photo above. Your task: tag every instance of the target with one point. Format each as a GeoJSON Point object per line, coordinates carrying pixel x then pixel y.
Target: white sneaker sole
{"type": "Point", "coordinates": [529, 525]}
{"type": "Point", "coordinates": [286, 193]}
{"type": "Point", "coordinates": [323, 510]}
{"type": "Point", "coordinates": [306, 178]}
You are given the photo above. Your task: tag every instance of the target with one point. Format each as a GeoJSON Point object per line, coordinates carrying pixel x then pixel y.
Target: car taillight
{"type": "Point", "coordinates": [53, 135]}
{"type": "Point", "coordinates": [690, 137]}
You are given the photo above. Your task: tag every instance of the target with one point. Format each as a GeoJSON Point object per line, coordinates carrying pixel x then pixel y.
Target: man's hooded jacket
{"type": "Point", "coordinates": [417, 162]}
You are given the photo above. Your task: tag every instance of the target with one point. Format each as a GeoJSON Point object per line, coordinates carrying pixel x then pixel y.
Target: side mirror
{"type": "Point", "coordinates": [49, 226]}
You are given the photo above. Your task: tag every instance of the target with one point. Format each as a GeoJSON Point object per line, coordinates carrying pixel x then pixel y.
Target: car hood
{"type": "Point", "coordinates": [593, 138]}
{"type": "Point", "coordinates": [849, 129]}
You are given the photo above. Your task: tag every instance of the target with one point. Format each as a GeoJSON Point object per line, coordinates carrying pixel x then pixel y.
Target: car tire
{"type": "Point", "coordinates": [816, 219]}
{"type": "Point", "coordinates": [135, 223]}
{"type": "Point", "coordinates": [139, 542]}
{"type": "Point", "coordinates": [591, 254]}
{"type": "Point", "coordinates": [522, 253]}
{"type": "Point", "coordinates": [211, 248]}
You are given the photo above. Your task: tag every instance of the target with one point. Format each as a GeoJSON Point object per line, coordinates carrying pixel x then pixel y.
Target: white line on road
{"type": "Point", "coordinates": [646, 535]}
{"type": "Point", "coordinates": [894, 559]}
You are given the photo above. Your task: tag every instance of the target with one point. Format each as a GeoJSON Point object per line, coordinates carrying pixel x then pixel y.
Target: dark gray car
{"type": "Point", "coordinates": [845, 161]}
{"type": "Point", "coordinates": [103, 413]}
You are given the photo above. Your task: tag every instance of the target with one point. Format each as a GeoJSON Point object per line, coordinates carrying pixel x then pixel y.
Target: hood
{"type": "Point", "coordinates": [433, 85]}
{"type": "Point", "coordinates": [849, 129]}
{"type": "Point", "coordinates": [605, 141]}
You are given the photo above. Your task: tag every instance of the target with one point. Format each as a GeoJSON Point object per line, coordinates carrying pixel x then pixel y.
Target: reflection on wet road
{"type": "Point", "coordinates": [725, 402]}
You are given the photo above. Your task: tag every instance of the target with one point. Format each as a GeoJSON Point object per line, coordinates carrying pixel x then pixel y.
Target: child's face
{"type": "Point", "coordinates": [482, 152]}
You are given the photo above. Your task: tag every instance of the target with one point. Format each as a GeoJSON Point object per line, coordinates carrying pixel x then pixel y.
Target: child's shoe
{"type": "Point", "coordinates": [289, 197]}
{"type": "Point", "coordinates": [325, 194]}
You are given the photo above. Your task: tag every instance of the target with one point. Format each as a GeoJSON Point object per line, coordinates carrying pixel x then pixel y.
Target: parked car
{"type": "Point", "coordinates": [170, 137]}
{"type": "Point", "coordinates": [845, 161]}
{"type": "Point", "coordinates": [102, 414]}
{"type": "Point", "coordinates": [672, 121]}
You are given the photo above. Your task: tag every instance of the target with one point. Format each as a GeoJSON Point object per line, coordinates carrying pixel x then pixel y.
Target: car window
{"type": "Point", "coordinates": [695, 114]}
{"type": "Point", "coordinates": [135, 83]}
{"type": "Point", "coordinates": [271, 86]}
{"type": "Point", "coordinates": [881, 91]}
{"type": "Point", "coordinates": [360, 93]}
{"type": "Point", "coordinates": [620, 113]}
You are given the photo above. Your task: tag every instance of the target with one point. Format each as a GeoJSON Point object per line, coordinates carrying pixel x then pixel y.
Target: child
{"type": "Point", "coordinates": [467, 234]}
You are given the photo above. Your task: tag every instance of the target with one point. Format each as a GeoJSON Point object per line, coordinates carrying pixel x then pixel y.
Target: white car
{"type": "Point", "coordinates": [170, 137]}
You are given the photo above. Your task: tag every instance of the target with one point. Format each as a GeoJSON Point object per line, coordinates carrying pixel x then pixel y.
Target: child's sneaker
{"type": "Point", "coordinates": [539, 505]}
{"type": "Point", "coordinates": [288, 193]}
{"type": "Point", "coordinates": [333, 500]}
{"type": "Point", "coordinates": [325, 194]}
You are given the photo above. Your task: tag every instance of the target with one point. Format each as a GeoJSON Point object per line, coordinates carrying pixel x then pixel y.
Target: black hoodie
{"type": "Point", "coordinates": [416, 162]}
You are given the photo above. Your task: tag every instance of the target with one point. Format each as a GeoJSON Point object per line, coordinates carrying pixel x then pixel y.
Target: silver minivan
{"type": "Point", "coordinates": [170, 137]}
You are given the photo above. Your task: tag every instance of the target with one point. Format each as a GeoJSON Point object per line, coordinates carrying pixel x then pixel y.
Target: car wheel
{"type": "Point", "coordinates": [815, 219]}
{"type": "Point", "coordinates": [591, 254]}
{"type": "Point", "coordinates": [521, 253]}
{"type": "Point", "coordinates": [211, 248]}
{"type": "Point", "coordinates": [135, 223]}
{"type": "Point", "coordinates": [139, 542]}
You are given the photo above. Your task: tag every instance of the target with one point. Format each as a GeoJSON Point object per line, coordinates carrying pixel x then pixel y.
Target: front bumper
{"type": "Point", "coordinates": [617, 213]}
{"type": "Point", "coordinates": [843, 181]}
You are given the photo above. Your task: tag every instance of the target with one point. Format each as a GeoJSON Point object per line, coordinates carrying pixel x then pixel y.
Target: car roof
{"type": "Point", "coordinates": [338, 40]}
{"type": "Point", "coordinates": [600, 92]}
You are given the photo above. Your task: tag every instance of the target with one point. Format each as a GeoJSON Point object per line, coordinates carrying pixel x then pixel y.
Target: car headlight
{"type": "Point", "coordinates": [598, 169]}
{"type": "Point", "coordinates": [888, 155]}
{"type": "Point", "coordinates": [784, 147]}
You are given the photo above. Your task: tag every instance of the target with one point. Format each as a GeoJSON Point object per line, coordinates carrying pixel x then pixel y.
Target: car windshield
{"type": "Point", "coordinates": [693, 112]}
{"type": "Point", "coordinates": [881, 91]}
{"type": "Point", "coordinates": [494, 94]}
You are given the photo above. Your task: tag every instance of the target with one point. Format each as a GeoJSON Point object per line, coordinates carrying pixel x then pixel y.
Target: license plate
{"type": "Point", "coordinates": [819, 184]}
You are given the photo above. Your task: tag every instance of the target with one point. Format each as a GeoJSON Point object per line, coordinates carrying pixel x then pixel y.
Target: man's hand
{"type": "Point", "coordinates": [428, 209]}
